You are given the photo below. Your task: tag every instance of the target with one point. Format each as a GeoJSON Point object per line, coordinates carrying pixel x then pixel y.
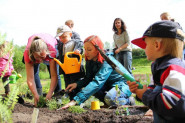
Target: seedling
{"type": "Point", "coordinates": [42, 102]}
{"type": "Point", "coordinates": [76, 109]}
{"type": "Point", "coordinates": [122, 111]}
{"type": "Point", "coordinates": [53, 104]}
{"type": "Point", "coordinates": [65, 100]}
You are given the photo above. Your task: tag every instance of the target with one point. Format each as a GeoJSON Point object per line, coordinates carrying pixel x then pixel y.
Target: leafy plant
{"type": "Point", "coordinates": [118, 92]}
{"type": "Point", "coordinates": [76, 109]}
{"type": "Point", "coordinates": [7, 105]}
{"type": "Point", "coordinates": [65, 100]}
{"type": "Point", "coordinates": [122, 111]}
{"type": "Point", "coordinates": [42, 102]}
{"type": "Point", "coordinates": [53, 104]}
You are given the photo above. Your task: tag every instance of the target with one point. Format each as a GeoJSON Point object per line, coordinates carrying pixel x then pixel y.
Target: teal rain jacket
{"type": "Point", "coordinates": [97, 75]}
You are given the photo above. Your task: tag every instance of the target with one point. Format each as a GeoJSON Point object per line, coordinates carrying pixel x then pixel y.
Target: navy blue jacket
{"type": "Point", "coordinates": [168, 74]}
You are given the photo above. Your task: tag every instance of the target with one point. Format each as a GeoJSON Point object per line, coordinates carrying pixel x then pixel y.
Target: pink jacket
{"type": "Point", "coordinates": [50, 41]}
{"type": "Point", "coordinates": [3, 63]}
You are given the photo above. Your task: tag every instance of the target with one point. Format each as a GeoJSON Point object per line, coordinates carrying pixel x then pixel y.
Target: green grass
{"type": "Point", "coordinates": [142, 66]}
{"type": "Point", "coordinates": [142, 70]}
{"type": "Point", "coordinates": [141, 62]}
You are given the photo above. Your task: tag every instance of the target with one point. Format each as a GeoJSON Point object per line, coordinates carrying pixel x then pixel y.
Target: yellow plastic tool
{"type": "Point", "coordinates": [72, 63]}
{"type": "Point", "coordinates": [95, 105]}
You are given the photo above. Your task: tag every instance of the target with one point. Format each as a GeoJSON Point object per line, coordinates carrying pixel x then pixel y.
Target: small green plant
{"type": "Point", "coordinates": [76, 109]}
{"type": "Point", "coordinates": [118, 92]}
{"type": "Point", "coordinates": [42, 102]}
{"type": "Point", "coordinates": [7, 104]}
{"type": "Point", "coordinates": [53, 104]}
{"type": "Point", "coordinates": [122, 111]}
{"type": "Point", "coordinates": [65, 100]}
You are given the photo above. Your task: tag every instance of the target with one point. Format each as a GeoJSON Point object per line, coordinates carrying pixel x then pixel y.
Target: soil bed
{"type": "Point", "coordinates": [23, 114]}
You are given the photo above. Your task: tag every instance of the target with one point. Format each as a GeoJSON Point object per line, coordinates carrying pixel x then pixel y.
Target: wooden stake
{"type": "Point", "coordinates": [35, 115]}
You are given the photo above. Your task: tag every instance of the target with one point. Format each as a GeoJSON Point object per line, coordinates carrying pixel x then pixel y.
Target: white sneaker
{"type": "Point", "coordinates": [132, 101]}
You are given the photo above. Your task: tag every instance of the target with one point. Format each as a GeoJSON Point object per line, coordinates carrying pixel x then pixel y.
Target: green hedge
{"type": "Point", "coordinates": [138, 53]}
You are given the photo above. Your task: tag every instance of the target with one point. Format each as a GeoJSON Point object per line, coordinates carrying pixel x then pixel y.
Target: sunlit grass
{"type": "Point", "coordinates": [142, 70]}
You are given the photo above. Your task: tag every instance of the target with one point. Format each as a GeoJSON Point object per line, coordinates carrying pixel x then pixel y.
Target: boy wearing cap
{"type": "Point", "coordinates": [163, 43]}
{"type": "Point", "coordinates": [65, 45]}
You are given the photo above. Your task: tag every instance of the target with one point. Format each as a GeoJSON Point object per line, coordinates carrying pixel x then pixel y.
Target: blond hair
{"type": "Point", "coordinates": [37, 46]}
{"type": "Point", "coordinates": [171, 46]}
{"type": "Point", "coordinates": [69, 21]}
{"type": "Point", "coordinates": [6, 47]}
{"type": "Point", "coordinates": [167, 16]}
{"type": "Point", "coordinates": [165, 13]}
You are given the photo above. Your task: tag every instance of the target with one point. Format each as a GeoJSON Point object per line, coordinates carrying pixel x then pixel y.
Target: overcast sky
{"type": "Point", "coordinates": [22, 18]}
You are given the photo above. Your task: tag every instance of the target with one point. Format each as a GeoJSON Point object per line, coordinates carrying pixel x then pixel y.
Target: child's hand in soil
{"type": "Point", "coordinates": [72, 103]}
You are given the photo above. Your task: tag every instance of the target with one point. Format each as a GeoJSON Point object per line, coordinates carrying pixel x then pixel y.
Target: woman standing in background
{"type": "Point", "coordinates": [122, 42]}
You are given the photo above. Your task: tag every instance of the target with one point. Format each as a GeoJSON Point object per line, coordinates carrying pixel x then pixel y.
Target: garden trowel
{"type": "Point", "coordinates": [61, 93]}
{"type": "Point", "coordinates": [123, 72]}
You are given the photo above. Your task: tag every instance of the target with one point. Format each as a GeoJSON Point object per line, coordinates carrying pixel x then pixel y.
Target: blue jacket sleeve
{"type": "Point", "coordinates": [95, 85]}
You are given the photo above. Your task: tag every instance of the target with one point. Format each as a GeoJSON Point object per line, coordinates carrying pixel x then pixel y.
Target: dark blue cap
{"type": "Point", "coordinates": [163, 29]}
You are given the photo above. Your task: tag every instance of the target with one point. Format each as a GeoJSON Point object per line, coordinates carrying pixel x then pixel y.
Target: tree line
{"type": "Point", "coordinates": [19, 50]}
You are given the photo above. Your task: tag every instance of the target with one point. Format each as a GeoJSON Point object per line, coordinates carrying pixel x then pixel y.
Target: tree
{"type": "Point", "coordinates": [17, 59]}
{"type": "Point", "coordinates": [107, 45]}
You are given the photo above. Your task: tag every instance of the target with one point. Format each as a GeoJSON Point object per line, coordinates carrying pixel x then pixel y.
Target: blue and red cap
{"type": "Point", "coordinates": [163, 29]}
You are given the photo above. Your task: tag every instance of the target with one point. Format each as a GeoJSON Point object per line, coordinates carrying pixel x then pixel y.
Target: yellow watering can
{"type": "Point", "coordinates": [72, 62]}
{"type": "Point", "coordinates": [14, 77]}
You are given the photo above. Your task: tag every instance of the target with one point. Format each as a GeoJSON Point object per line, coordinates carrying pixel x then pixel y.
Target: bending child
{"type": "Point", "coordinates": [100, 78]}
{"type": "Point", "coordinates": [163, 43]}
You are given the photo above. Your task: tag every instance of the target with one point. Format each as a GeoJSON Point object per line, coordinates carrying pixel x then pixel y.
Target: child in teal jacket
{"type": "Point", "coordinates": [100, 79]}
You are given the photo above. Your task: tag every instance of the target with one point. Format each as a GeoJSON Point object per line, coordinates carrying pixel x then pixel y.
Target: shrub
{"type": "Point", "coordinates": [138, 53]}
{"type": "Point", "coordinates": [17, 59]}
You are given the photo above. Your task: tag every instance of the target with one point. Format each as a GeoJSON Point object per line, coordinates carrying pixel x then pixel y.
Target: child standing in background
{"type": "Point", "coordinates": [163, 43]}
{"type": "Point", "coordinates": [122, 43]}
{"type": "Point", "coordinates": [166, 16]}
{"type": "Point", "coordinates": [6, 66]}
{"type": "Point", "coordinates": [66, 44]}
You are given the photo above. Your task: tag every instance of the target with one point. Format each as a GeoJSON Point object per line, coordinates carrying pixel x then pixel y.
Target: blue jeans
{"type": "Point", "coordinates": [37, 78]}
{"type": "Point", "coordinates": [6, 87]}
{"type": "Point", "coordinates": [125, 58]}
{"type": "Point", "coordinates": [109, 97]}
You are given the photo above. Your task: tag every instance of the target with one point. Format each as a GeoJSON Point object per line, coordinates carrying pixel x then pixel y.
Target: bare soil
{"type": "Point", "coordinates": [23, 114]}
{"type": "Point", "coordinates": [137, 114]}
